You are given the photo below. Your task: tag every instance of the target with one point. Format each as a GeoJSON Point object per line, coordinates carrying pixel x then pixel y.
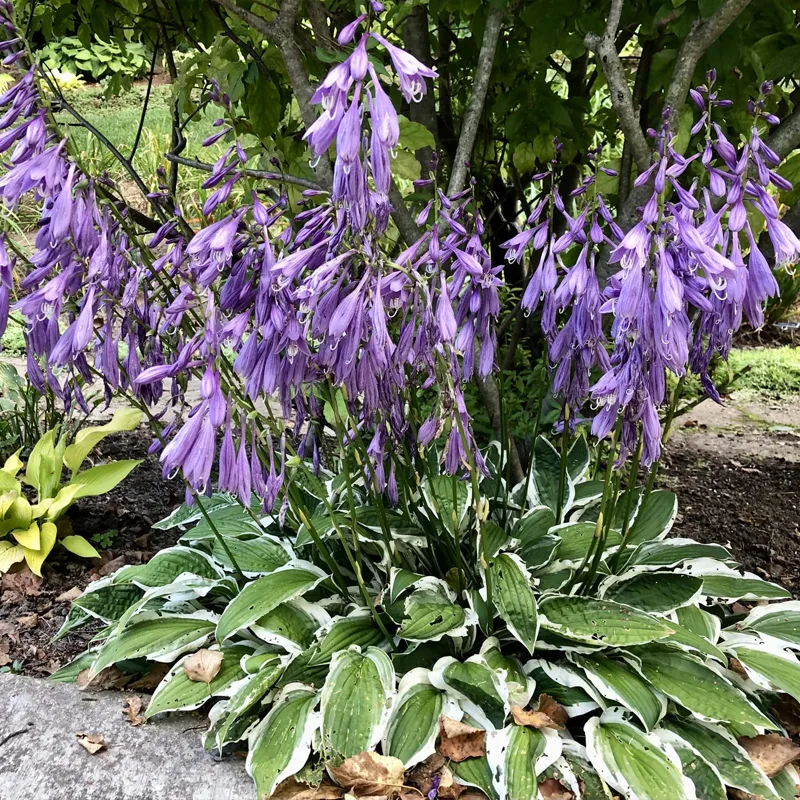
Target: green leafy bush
{"type": "Point", "coordinates": [32, 528]}
{"type": "Point", "coordinates": [592, 653]}
{"type": "Point", "coordinates": [99, 61]}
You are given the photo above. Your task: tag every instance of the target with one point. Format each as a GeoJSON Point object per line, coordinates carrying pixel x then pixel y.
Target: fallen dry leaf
{"type": "Point", "coordinates": [109, 678]}
{"type": "Point", "coordinates": [71, 594]}
{"type": "Point", "coordinates": [458, 741]}
{"type": "Point", "coordinates": [91, 742]}
{"type": "Point", "coordinates": [203, 665]}
{"type": "Point", "coordinates": [134, 705]}
{"type": "Point", "coordinates": [150, 680]}
{"type": "Point", "coordinates": [17, 585]}
{"type": "Point", "coordinates": [292, 789]}
{"type": "Point", "coordinates": [551, 789]}
{"type": "Point", "coordinates": [370, 773]}
{"type": "Point", "coordinates": [788, 713]}
{"type": "Point", "coordinates": [112, 566]}
{"type": "Point", "coordinates": [5, 658]}
{"type": "Point", "coordinates": [734, 665]}
{"type": "Point", "coordinates": [549, 714]}
{"type": "Point", "coordinates": [28, 621]}
{"type": "Point", "coordinates": [770, 751]}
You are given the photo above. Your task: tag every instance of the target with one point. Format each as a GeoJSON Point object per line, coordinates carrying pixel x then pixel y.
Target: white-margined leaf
{"type": "Point", "coordinates": [516, 755]}
{"type": "Point", "coordinates": [520, 686]}
{"type": "Point", "coordinates": [700, 622]}
{"type": "Point", "coordinates": [264, 594]}
{"type": "Point", "coordinates": [600, 622]}
{"type": "Point", "coordinates": [477, 686]}
{"type": "Point", "coordinates": [779, 667]}
{"type": "Point", "coordinates": [400, 580]}
{"type": "Point", "coordinates": [186, 515]}
{"type": "Point", "coordinates": [672, 552]}
{"type": "Point", "coordinates": [254, 556]}
{"type": "Point", "coordinates": [636, 764]}
{"type": "Point", "coordinates": [177, 692]}
{"type": "Point", "coordinates": [280, 744]}
{"type": "Point", "coordinates": [587, 492]}
{"type": "Point", "coordinates": [689, 682]}
{"type": "Point", "coordinates": [708, 783]}
{"type": "Point", "coordinates": [654, 592]}
{"type": "Point", "coordinates": [721, 582]}
{"type": "Point", "coordinates": [514, 599]}
{"type": "Point", "coordinates": [476, 772]}
{"type": "Point", "coordinates": [576, 539]}
{"type": "Point", "coordinates": [621, 684]}
{"type": "Point", "coordinates": [165, 566]}
{"type": "Point", "coordinates": [356, 700]}
{"type": "Point", "coordinates": [109, 601]}
{"type": "Point", "coordinates": [430, 614]}
{"type": "Point", "coordinates": [655, 517]}
{"type": "Point", "coordinates": [779, 621]}
{"type": "Point", "coordinates": [569, 686]}
{"type": "Point", "coordinates": [439, 493]}
{"type": "Point", "coordinates": [687, 639]}
{"type": "Point", "coordinates": [292, 625]}
{"type": "Point", "coordinates": [578, 459]}
{"type": "Point", "coordinates": [729, 758]}
{"type": "Point", "coordinates": [546, 476]}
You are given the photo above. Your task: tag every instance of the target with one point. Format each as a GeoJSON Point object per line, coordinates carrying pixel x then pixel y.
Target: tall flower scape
{"type": "Point", "coordinates": [381, 591]}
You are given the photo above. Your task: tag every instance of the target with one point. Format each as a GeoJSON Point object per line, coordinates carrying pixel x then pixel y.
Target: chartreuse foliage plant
{"type": "Point", "coordinates": [477, 603]}
{"type": "Point", "coordinates": [30, 530]}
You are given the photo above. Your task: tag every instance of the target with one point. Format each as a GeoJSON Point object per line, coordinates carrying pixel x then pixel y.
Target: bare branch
{"type": "Point", "coordinates": [251, 173]}
{"type": "Point", "coordinates": [318, 15]}
{"type": "Point", "coordinates": [472, 116]}
{"type": "Point", "coordinates": [606, 50]}
{"type": "Point", "coordinates": [786, 137]}
{"type": "Point", "coordinates": [402, 216]}
{"type": "Point", "coordinates": [703, 34]}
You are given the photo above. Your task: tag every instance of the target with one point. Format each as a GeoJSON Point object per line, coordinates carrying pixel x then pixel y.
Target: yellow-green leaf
{"type": "Point", "coordinates": [102, 479]}
{"type": "Point", "coordinates": [28, 537]}
{"type": "Point", "coordinates": [44, 471]}
{"type": "Point", "coordinates": [35, 558]}
{"type": "Point", "coordinates": [63, 500]}
{"type": "Point", "coordinates": [10, 554]}
{"type": "Point", "coordinates": [80, 547]}
{"type": "Point", "coordinates": [13, 464]}
{"type": "Point", "coordinates": [125, 419]}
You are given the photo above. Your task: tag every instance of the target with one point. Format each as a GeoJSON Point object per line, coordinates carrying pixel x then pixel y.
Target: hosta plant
{"type": "Point", "coordinates": [30, 530]}
{"type": "Point", "coordinates": [632, 673]}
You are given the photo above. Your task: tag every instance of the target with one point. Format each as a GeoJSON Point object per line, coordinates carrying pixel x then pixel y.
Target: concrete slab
{"type": "Point", "coordinates": [161, 760]}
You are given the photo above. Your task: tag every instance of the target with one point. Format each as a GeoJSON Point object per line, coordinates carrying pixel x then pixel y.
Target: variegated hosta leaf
{"type": "Point", "coordinates": [247, 694]}
{"type": "Point", "coordinates": [721, 582]}
{"type": "Point", "coordinates": [186, 515]}
{"type": "Point", "coordinates": [520, 686]}
{"type": "Point", "coordinates": [636, 764]}
{"type": "Point", "coordinates": [600, 622]}
{"type": "Point", "coordinates": [264, 594]}
{"type": "Point", "coordinates": [475, 772]}
{"type": "Point", "coordinates": [688, 681]}
{"type": "Point", "coordinates": [565, 684]}
{"type": "Point", "coordinates": [576, 538]}
{"type": "Point", "coordinates": [69, 672]}
{"type": "Point", "coordinates": [414, 721]}
{"type": "Point", "coordinates": [517, 755]}
{"type": "Point", "coordinates": [536, 545]}
{"type": "Point", "coordinates": [232, 521]}
{"type": "Point", "coordinates": [162, 638]}
{"type": "Point", "coordinates": [166, 565]}
{"type": "Point", "coordinates": [699, 622]}
{"type": "Point", "coordinates": [108, 601]}
{"type": "Point", "coordinates": [672, 552]}
{"type": "Point", "coordinates": [655, 517]}
{"type": "Point", "coordinates": [720, 748]}
{"type": "Point", "coordinates": [621, 684]}
{"type": "Point", "coordinates": [546, 476]}
{"type": "Point", "coordinates": [478, 688]}
{"type": "Point", "coordinates": [578, 459]}
{"type": "Point", "coordinates": [708, 783]}
{"type": "Point", "coordinates": [687, 639]}
{"type": "Point", "coordinates": [399, 581]}
{"type": "Point", "coordinates": [280, 744]}
{"type": "Point", "coordinates": [654, 592]}
{"type": "Point", "coordinates": [292, 625]}
{"type": "Point", "coordinates": [587, 492]}
{"type": "Point", "coordinates": [514, 599]}
{"type": "Point", "coordinates": [356, 699]}
{"type": "Point", "coordinates": [255, 556]}
{"type": "Point", "coordinates": [430, 613]}
{"type": "Point", "coordinates": [778, 668]}
{"type": "Point", "coordinates": [439, 492]}
{"type": "Point", "coordinates": [779, 621]}
{"type": "Point", "coordinates": [177, 692]}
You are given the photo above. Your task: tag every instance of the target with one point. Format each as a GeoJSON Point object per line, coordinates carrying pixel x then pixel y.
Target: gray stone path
{"type": "Point", "coordinates": [157, 761]}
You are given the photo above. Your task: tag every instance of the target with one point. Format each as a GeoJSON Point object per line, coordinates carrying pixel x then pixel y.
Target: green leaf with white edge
{"type": "Point", "coordinates": [724, 583]}
{"type": "Point", "coordinates": [249, 692]}
{"type": "Point", "coordinates": [601, 622]}
{"type": "Point", "coordinates": [700, 622]}
{"type": "Point", "coordinates": [636, 764]}
{"type": "Point", "coordinates": [564, 683]}
{"type": "Point", "coordinates": [292, 625]}
{"type": "Point", "coordinates": [109, 601]}
{"type": "Point", "coordinates": [707, 782]}
{"type": "Point", "coordinates": [177, 692]}
{"type": "Point", "coordinates": [166, 565]}
{"type": "Point", "coordinates": [780, 668]}
{"type": "Point", "coordinates": [517, 755]}
{"type": "Point", "coordinates": [514, 599]}
{"type": "Point", "coordinates": [475, 772]}
{"type": "Point", "coordinates": [494, 538]}
{"type": "Point", "coordinates": [69, 672]}
{"type": "Point", "coordinates": [478, 688]}
{"type": "Point", "coordinates": [578, 459]}
{"type": "Point", "coordinates": [576, 538]}
{"type": "Point", "coordinates": [258, 556]}
{"type": "Point", "coordinates": [621, 684]}
{"type": "Point", "coordinates": [654, 592]}
{"type": "Point", "coordinates": [655, 517]}
{"type": "Point", "coordinates": [103, 478]}
{"type": "Point", "coordinates": [186, 515]}
{"type": "Point", "coordinates": [786, 782]}
{"type": "Point", "coordinates": [439, 493]}
{"type": "Point", "coordinates": [414, 720]}
{"type": "Point", "coordinates": [533, 525]}
{"type": "Point", "coordinates": [78, 546]}
{"type": "Point", "coordinates": [430, 614]}
{"type": "Point", "coordinates": [400, 580]}
{"type": "Point", "coordinates": [414, 135]}
{"type": "Point", "coordinates": [359, 628]}
{"type": "Point", "coordinates": [280, 744]}
{"type": "Point", "coordinates": [520, 686]}
{"type": "Point", "coordinates": [547, 474]}
{"type": "Point", "coordinates": [672, 552]}
{"type": "Point", "coordinates": [587, 492]}
{"type": "Point", "coordinates": [161, 638]}
{"type": "Point", "coordinates": [356, 700]}
{"type": "Point", "coordinates": [729, 758]}
{"type": "Point", "coordinates": [323, 524]}
{"type": "Point", "coordinates": [124, 419]}
{"type": "Point", "coordinates": [264, 594]}
{"type": "Point", "coordinates": [688, 681]}
{"type": "Point", "coordinates": [76, 618]}
{"type": "Point", "coordinates": [686, 639]}
{"type": "Point", "coordinates": [779, 621]}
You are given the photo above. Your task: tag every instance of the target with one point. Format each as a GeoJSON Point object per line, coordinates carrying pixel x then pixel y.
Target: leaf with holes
{"type": "Point", "coordinates": [514, 599]}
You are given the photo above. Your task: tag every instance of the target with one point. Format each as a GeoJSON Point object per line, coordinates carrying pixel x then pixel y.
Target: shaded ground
{"type": "Point", "coordinates": [31, 611]}
{"type": "Point", "coordinates": [736, 470]}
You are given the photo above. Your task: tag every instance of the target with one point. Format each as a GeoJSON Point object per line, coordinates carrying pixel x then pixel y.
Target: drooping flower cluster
{"type": "Point", "coordinates": [689, 270]}
{"type": "Point", "coordinates": [273, 308]}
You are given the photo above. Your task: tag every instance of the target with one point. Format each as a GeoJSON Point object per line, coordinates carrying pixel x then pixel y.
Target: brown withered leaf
{"type": "Point", "coordinates": [421, 776]}
{"type": "Point", "coordinates": [203, 665]}
{"type": "Point", "coordinates": [292, 789]}
{"type": "Point", "coordinates": [458, 741]}
{"type": "Point", "coordinates": [770, 751]}
{"type": "Point", "coordinates": [150, 680]}
{"type": "Point", "coordinates": [18, 585]}
{"type": "Point", "coordinates": [71, 594]}
{"type": "Point", "coordinates": [369, 774]}
{"type": "Point", "coordinates": [133, 708]}
{"type": "Point", "coordinates": [91, 742]}
{"type": "Point", "coordinates": [551, 789]}
{"type": "Point", "coordinates": [734, 665]}
{"type": "Point", "coordinates": [109, 678]}
{"type": "Point", "coordinates": [787, 710]}
{"type": "Point", "coordinates": [5, 658]}
{"type": "Point", "coordinates": [549, 714]}
{"type": "Point", "coordinates": [28, 621]}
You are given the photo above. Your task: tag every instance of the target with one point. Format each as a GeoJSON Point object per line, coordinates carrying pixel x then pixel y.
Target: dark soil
{"type": "Point", "coordinates": [751, 505]}
{"type": "Point", "coordinates": [30, 611]}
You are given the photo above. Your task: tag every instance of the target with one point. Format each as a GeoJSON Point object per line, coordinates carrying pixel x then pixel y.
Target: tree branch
{"type": "Point", "coordinates": [472, 116]}
{"type": "Point", "coordinates": [786, 137]}
{"type": "Point", "coordinates": [606, 50]}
